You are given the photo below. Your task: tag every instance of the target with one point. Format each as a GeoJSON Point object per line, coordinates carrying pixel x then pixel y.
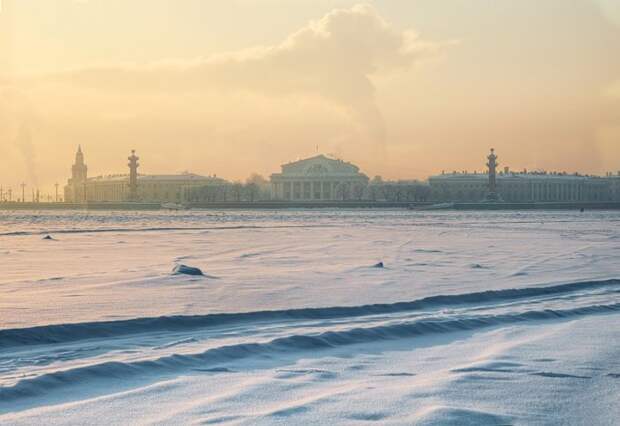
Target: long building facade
{"type": "Point", "coordinates": [614, 185]}
{"type": "Point", "coordinates": [321, 178]}
{"type": "Point", "coordinates": [132, 186]}
{"type": "Point", "coordinates": [318, 178]}
{"type": "Point", "coordinates": [520, 187]}
{"type": "Point", "coordinates": [524, 187]}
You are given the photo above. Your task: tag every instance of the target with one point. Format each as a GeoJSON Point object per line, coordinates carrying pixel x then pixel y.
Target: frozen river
{"type": "Point", "coordinates": [476, 317]}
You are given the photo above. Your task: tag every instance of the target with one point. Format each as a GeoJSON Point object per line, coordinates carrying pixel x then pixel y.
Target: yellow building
{"type": "Point", "coordinates": [116, 188]}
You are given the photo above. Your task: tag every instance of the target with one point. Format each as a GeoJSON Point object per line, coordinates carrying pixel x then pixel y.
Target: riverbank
{"type": "Point", "coordinates": [276, 205]}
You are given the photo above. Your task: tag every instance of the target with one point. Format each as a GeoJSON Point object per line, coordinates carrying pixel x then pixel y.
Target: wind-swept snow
{"type": "Point", "coordinates": [476, 318]}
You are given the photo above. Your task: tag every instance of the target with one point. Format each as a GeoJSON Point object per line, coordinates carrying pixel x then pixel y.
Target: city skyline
{"type": "Point", "coordinates": [325, 178]}
{"type": "Point", "coordinates": [55, 193]}
{"type": "Point", "coordinates": [428, 91]}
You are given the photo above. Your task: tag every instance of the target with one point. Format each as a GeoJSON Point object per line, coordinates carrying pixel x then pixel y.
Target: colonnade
{"type": "Point", "coordinates": [304, 189]}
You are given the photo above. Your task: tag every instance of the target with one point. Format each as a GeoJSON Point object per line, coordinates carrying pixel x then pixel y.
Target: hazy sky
{"type": "Point", "coordinates": [403, 88]}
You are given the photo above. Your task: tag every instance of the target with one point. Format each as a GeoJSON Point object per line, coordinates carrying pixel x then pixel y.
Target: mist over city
{"type": "Point", "coordinates": [300, 212]}
{"type": "Point", "coordinates": [403, 89]}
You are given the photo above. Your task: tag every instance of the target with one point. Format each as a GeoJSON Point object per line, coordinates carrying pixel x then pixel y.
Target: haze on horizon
{"type": "Point", "coordinates": [402, 88]}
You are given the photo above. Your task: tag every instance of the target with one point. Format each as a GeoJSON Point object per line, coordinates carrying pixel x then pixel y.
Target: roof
{"type": "Point", "coordinates": [319, 165]}
{"type": "Point", "coordinates": [183, 177]}
{"type": "Point", "coordinates": [315, 158]}
{"type": "Point", "coordinates": [511, 175]}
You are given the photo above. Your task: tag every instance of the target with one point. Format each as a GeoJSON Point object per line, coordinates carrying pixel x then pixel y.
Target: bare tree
{"type": "Point", "coordinates": [257, 187]}
{"type": "Point", "coordinates": [376, 191]}
{"type": "Point", "coordinates": [252, 191]}
{"type": "Point", "coordinates": [358, 191]}
{"type": "Point", "coordinates": [236, 191]}
{"type": "Point", "coordinates": [343, 191]}
{"type": "Point", "coordinates": [389, 190]}
{"type": "Point", "coordinates": [257, 179]}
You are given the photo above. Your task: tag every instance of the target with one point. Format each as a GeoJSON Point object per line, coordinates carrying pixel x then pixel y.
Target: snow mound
{"type": "Point", "coordinates": [461, 416]}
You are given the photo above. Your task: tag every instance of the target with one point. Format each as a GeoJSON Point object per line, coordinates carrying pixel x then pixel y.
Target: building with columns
{"type": "Point", "coordinates": [318, 178]}
{"type": "Point", "coordinates": [518, 186]}
{"type": "Point", "coordinates": [614, 185]}
{"type": "Point", "coordinates": [321, 178]}
{"type": "Point", "coordinates": [132, 186]}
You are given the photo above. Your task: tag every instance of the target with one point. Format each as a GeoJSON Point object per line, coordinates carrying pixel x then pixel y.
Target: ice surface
{"type": "Point", "coordinates": [478, 318]}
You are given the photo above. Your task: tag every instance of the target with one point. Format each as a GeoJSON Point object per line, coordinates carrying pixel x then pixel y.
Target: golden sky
{"type": "Point", "coordinates": [403, 88]}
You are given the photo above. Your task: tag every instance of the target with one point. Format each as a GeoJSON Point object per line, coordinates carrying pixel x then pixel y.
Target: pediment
{"type": "Point", "coordinates": [319, 166]}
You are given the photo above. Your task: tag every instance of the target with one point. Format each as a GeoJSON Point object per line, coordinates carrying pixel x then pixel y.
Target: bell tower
{"type": "Point", "coordinates": [79, 171]}
{"type": "Point", "coordinates": [79, 176]}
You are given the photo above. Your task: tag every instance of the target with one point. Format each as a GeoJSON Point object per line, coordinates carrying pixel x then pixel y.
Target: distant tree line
{"type": "Point", "coordinates": [397, 191]}
{"type": "Point", "coordinates": [257, 188]}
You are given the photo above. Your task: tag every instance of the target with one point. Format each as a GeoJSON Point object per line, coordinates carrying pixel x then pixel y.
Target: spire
{"type": "Point", "coordinates": [79, 156]}
{"type": "Point", "coordinates": [79, 169]}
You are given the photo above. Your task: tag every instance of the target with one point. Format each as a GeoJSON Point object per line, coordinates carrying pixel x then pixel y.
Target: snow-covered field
{"type": "Point", "coordinates": [475, 318]}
